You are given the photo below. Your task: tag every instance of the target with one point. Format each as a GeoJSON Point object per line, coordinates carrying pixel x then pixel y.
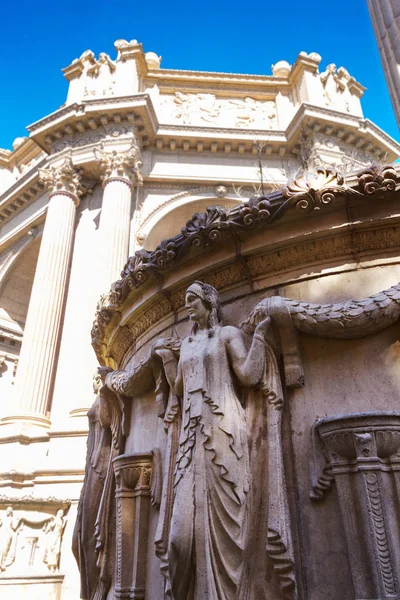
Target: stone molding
{"type": "Point", "coordinates": [216, 225]}
{"type": "Point", "coordinates": [197, 192]}
{"type": "Point", "coordinates": [140, 110]}
{"type": "Point", "coordinates": [22, 192]}
{"type": "Point", "coordinates": [85, 138]}
{"type": "Point", "coordinates": [305, 193]}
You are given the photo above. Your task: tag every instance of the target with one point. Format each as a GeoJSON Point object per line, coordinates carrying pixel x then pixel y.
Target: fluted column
{"type": "Point", "coordinates": [120, 171]}
{"type": "Point", "coordinates": [38, 353]}
{"type": "Point", "coordinates": [385, 16]}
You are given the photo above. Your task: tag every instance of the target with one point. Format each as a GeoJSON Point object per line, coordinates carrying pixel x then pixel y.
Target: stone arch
{"type": "Point", "coordinates": [167, 220]}
{"type": "Point", "coordinates": [16, 280]}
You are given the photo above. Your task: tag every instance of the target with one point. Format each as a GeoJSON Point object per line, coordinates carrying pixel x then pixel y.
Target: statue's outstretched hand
{"type": "Point", "coordinates": [103, 372]}
{"type": "Point", "coordinates": [263, 327]}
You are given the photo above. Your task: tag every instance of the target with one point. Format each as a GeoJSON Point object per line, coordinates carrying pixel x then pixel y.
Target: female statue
{"type": "Point", "coordinates": [54, 530]}
{"type": "Point", "coordinates": [209, 527]}
{"type": "Point", "coordinates": [91, 544]}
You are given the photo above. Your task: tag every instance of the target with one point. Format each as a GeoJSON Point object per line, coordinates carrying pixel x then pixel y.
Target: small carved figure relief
{"type": "Point", "coordinates": [99, 80]}
{"type": "Point", "coordinates": [336, 88]}
{"type": "Point", "coordinates": [54, 530]}
{"type": "Point", "coordinates": [10, 528]}
{"type": "Point", "coordinates": [329, 83]}
{"type": "Point", "coordinates": [92, 538]}
{"type": "Point", "coordinates": [251, 112]}
{"type": "Point", "coordinates": [30, 538]}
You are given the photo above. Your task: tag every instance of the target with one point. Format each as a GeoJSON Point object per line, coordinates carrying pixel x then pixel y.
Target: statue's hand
{"type": "Point", "coordinates": [263, 327]}
{"type": "Point", "coordinates": [103, 372]}
{"type": "Point", "coordinates": [165, 347]}
{"type": "Point", "coordinates": [157, 347]}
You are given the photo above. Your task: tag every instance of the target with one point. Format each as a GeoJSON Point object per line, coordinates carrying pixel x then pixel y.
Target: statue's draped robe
{"type": "Point", "coordinates": [209, 526]}
{"type": "Point", "coordinates": [97, 459]}
{"type": "Point", "coordinates": [93, 541]}
{"type": "Point", "coordinates": [229, 532]}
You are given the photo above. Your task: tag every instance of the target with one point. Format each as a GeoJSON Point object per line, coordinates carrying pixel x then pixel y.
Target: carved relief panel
{"type": "Point", "coordinates": [30, 538]}
{"type": "Point", "coordinates": [207, 110]}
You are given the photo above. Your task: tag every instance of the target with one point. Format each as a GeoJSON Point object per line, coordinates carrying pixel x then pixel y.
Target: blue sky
{"type": "Point", "coordinates": [37, 39]}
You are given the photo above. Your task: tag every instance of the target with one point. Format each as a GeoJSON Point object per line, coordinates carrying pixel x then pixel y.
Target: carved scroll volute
{"type": "Point", "coordinates": [133, 474]}
{"type": "Point", "coordinates": [363, 454]}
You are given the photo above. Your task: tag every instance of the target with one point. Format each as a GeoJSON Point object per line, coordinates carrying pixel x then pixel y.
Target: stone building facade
{"type": "Point", "coordinates": [133, 153]}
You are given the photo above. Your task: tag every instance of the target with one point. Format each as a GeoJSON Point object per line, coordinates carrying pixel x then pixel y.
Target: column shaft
{"type": "Point", "coordinates": [38, 358]}
{"type": "Point", "coordinates": [38, 352]}
{"type": "Point", "coordinates": [114, 230]}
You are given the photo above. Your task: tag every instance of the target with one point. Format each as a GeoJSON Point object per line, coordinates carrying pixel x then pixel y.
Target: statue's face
{"type": "Point", "coordinates": [196, 308]}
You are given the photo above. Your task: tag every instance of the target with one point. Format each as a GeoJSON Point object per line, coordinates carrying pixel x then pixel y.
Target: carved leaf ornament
{"type": "Point", "coordinates": [313, 190]}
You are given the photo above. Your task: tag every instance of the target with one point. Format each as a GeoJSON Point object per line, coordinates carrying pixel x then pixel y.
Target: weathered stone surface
{"type": "Point", "coordinates": [299, 230]}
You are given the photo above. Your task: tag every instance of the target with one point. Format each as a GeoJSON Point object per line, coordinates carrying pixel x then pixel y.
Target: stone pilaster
{"type": "Point", "coordinates": [120, 171]}
{"type": "Point", "coordinates": [133, 490]}
{"type": "Point", "coordinates": [39, 348]}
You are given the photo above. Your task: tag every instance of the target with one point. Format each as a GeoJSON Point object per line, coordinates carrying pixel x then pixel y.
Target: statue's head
{"type": "Point", "coordinates": [97, 382]}
{"type": "Point", "coordinates": [209, 306]}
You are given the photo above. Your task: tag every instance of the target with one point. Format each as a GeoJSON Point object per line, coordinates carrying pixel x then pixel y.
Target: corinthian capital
{"type": "Point", "coordinates": [121, 165]}
{"type": "Point", "coordinates": [64, 179]}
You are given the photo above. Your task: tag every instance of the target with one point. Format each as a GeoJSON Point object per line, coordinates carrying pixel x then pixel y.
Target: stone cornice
{"type": "Point", "coordinates": [218, 227]}
{"type": "Point", "coordinates": [92, 114]}
{"type": "Point", "coordinates": [26, 189]}
{"type": "Point", "coordinates": [343, 126]}
{"type": "Point", "coordinates": [24, 152]}
{"type": "Point", "coordinates": [214, 78]}
{"type": "Point", "coordinates": [138, 111]}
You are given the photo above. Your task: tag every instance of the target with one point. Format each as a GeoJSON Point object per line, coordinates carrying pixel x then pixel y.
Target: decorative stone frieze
{"type": "Point", "coordinates": [216, 226]}
{"type": "Point", "coordinates": [363, 459]}
{"type": "Point", "coordinates": [31, 535]}
{"type": "Point", "coordinates": [90, 137]}
{"type": "Point", "coordinates": [209, 110]}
